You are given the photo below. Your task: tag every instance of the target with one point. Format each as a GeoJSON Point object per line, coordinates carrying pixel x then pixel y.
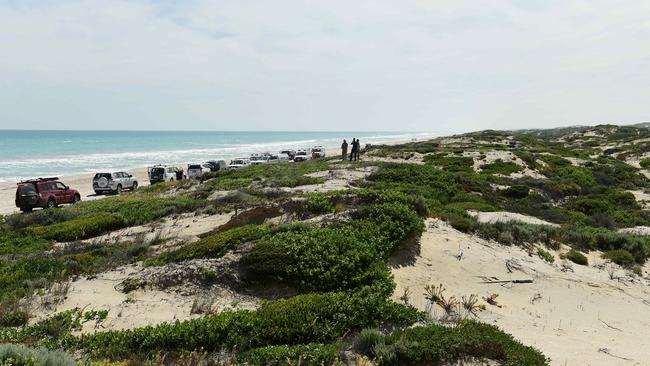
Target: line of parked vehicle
{"type": "Point", "coordinates": [51, 192]}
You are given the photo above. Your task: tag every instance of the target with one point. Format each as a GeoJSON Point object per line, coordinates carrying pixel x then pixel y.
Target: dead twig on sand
{"type": "Point", "coordinates": [606, 351]}
{"type": "Point", "coordinates": [609, 326]}
{"type": "Point", "coordinates": [535, 298]}
{"type": "Point", "coordinates": [512, 264]}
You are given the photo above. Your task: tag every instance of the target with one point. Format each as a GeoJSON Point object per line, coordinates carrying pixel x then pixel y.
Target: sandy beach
{"type": "Point", "coordinates": [83, 183]}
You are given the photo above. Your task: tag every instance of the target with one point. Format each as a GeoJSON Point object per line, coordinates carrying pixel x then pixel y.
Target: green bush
{"type": "Point", "coordinates": [215, 245]}
{"type": "Point", "coordinates": [516, 191]}
{"type": "Point", "coordinates": [318, 203]}
{"type": "Point", "coordinates": [577, 257]}
{"type": "Point", "coordinates": [14, 318]}
{"type": "Point", "coordinates": [303, 354]}
{"type": "Point", "coordinates": [18, 355]}
{"type": "Point", "coordinates": [79, 228]}
{"type": "Point", "coordinates": [303, 319]}
{"type": "Point", "coordinates": [645, 163]}
{"type": "Point", "coordinates": [621, 257]}
{"type": "Point", "coordinates": [501, 167]}
{"type": "Point", "coordinates": [545, 255]}
{"type": "Point", "coordinates": [437, 344]}
{"type": "Point", "coordinates": [451, 163]}
{"type": "Point", "coordinates": [336, 257]}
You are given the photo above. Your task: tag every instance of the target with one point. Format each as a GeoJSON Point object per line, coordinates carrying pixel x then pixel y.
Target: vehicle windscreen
{"type": "Point", "coordinates": [158, 171]}
{"type": "Point", "coordinates": [105, 175]}
{"type": "Point", "coordinates": [237, 162]}
{"type": "Point", "coordinates": [194, 166]}
{"type": "Point", "coordinates": [26, 189]}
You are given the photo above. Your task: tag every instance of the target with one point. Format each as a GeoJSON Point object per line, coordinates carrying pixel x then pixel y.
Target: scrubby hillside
{"type": "Point", "coordinates": [407, 257]}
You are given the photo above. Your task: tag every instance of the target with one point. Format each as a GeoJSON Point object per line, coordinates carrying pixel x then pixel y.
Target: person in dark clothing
{"type": "Point", "coordinates": [354, 143]}
{"type": "Point", "coordinates": [357, 157]}
{"type": "Point", "coordinates": [344, 150]}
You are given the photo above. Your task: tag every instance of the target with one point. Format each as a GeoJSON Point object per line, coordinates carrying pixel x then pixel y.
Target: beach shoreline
{"type": "Point", "coordinates": [83, 182]}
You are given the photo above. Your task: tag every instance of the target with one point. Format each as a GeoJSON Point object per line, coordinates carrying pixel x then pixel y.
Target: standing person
{"type": "Point", "coordinates": [344, 150]}
{"type": "Point", "coordinates": [358, 150]}
{"type": "Point", "coordinates": [352, 149]}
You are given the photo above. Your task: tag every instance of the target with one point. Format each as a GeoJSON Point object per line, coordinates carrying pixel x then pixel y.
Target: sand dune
{"type": "Point", "coordinates": [578, 317]}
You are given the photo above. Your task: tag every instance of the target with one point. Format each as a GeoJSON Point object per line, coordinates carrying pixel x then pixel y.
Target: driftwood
{"type": "Point", "coordinates": [509, 281]}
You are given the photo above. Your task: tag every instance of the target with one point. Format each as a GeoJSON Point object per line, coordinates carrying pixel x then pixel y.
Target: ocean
{"type": "Point", "coordinates": [27, 154]}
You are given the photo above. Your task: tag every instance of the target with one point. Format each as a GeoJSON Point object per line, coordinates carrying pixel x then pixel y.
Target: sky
{"type": "Point", "coordinates": [435, 66]}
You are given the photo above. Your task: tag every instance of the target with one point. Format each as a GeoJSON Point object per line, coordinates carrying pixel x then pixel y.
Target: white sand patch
{"type": "Point", "coordinates": [637, 230]}
{"type": "Point", "coordinates": [138, 308]}
{"type": "Point", "coordinates": [335, 179]}
{"type": "Point", "coordinates": [504, 216]}
{"type": "Point", "coordinates": [567, 322]}
{"type": "Point", "coordinates": [174, 229]}
{"type": "Point", "coordinates": [642, 197]}
{"type": "Point", "coordinates": [505, 156]}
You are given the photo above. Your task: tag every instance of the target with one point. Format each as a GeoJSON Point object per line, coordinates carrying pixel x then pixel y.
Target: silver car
{"type": "Point", "coordinates": [114, 182]}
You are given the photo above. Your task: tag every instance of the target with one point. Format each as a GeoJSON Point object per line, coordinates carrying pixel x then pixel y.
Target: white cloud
{"type": "Point", "coordinates": [362, 65]}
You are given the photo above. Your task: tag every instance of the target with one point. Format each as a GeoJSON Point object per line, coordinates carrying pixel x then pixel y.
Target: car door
{"type": "Point", "coordinates": [61, 193]}
{"type": "Point", "coordinates": [128, 180]}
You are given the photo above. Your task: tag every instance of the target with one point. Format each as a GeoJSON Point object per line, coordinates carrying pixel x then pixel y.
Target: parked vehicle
{"type": "Point", "coordinates": [45, 193]}
{"type": "Point", "coordinates": [114, 182]}
{"type": "Point", "coordinates": [317, 152]}
{"type": "Point", "coordinates": [164, 173]}
{"type": "Point", "coordinates": [283, 158]}
{"type": "Point", "coordinates": [196, 170]}
{"type": "Point", "coordinates": [301, 155]}
{"type": "Point", "coordinates": [262, 159]}
{"type": "Point", "coordinates": [237, 163]}
{"type": "Point", "coordinates": [216, 165]}
{"type": "Point", "coordinates": [290, 153]}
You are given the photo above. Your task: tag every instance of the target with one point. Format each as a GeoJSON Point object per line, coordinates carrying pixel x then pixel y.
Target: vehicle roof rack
{"type": "Point", "coordinates": [36, 180]}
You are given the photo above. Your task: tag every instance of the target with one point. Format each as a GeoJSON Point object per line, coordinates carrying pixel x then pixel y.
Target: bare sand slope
{"type": "Point", "coordinates": [503, 216]}
{"type": "Point", "coordinates": [82, 183]}
{"type": "Point", "coordinates": [575, 318]}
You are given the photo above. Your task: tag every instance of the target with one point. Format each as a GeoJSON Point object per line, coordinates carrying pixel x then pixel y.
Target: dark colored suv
{"type": "Point", "coordinates": [44, 192]}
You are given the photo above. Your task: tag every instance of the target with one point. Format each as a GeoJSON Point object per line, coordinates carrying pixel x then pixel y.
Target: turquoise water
{"type": "Point", "coordinates": [27, 154]}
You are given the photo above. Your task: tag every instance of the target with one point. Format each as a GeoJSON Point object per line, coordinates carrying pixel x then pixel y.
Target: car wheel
{"type": "Point", "coordinates": [119, 189]}
{"type": "Point", "coordinates": [51, 203]}
{"type": "Point", "coordinates": [134, 186]}
{"type": "Point", "coordinates": [76, 199]}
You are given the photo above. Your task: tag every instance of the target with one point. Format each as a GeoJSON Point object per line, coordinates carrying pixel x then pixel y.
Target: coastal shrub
{"type": "Point", "coordinates": [323, 259]}
{"type": "Point", "coordinates": [437, 344]}
{"type": "Point", "coordinates": [451, 163]}
{"type": "Point", "coordinates": [339, 256]}
{"type": "Point", "coordinates": [215, 245]}
{"type": "Point", "coordinates": [545, 255]}
{"type": "Point", "coordinates": [17, 243]}
{"type": "Point", "coordinates": [315, 354]}
{"type": "Point", "coordinates": [13, 318]}
{"type": "Point", "coordinates": [19, 355]}
{"type": "Point", "coordinates": [303, 319]}
{"type": "Point", "coordinates": [516, 191]}
{"type": "Point", "coordinates": [318, 203]}
{"type": "Point", "coordinates": [621, 257]}
{"type": "Point", "coordinates": [501, 167]}
{"type": "Point", "coordinates": [577, 257]}
{"type": "Point", "coordinates": [645, 163]}
{"type": "Point", "coordinates": [79, 228]}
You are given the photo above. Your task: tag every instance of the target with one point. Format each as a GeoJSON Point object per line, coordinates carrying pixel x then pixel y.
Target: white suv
{"type": "Point", "coordinates": [114, 182]}
{"type": "Point", "coordinates": [237, 163]}
{"type": "Point", "coordinates": [164, 173]}
{"type": "Point", "coordinates": [197, 170]}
